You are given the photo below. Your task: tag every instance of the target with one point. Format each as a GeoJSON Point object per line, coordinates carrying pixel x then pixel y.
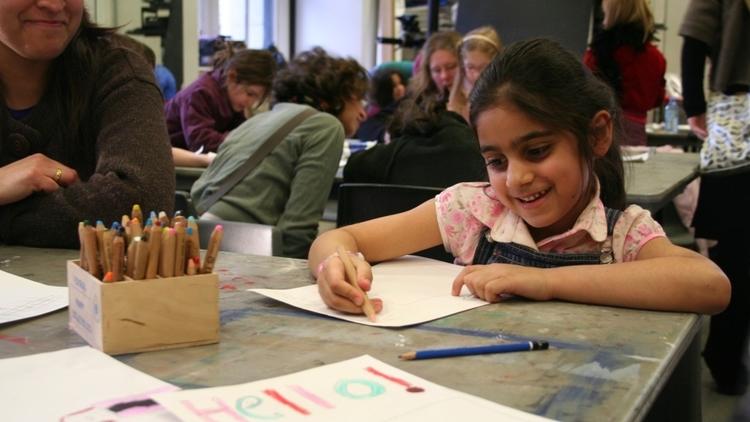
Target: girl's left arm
{"type": "Point", "coordinates": [663, 277]}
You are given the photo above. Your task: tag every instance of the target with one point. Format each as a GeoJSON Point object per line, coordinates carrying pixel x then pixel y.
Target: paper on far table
{"type": "Point", "coordinates": [22, 298]}
{"type": "Point", "coordinates": [67, 384]}
{"type": "Point", "coordinates": [359, 389]}
{"type": "Point", "coordinates": [413, 289]}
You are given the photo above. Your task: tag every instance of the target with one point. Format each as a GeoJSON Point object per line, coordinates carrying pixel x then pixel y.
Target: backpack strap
{"type": "Point", "coordinates": [255, 159]}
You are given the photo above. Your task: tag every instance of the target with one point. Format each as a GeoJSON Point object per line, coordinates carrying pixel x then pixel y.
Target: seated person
{"type": "Point", "coordinates": [430, 146]}
{"type": "Point", "coordinates": [478, 48]}
{"type": "Point", "coordinates": [290, 186]}
{"type": "Point", "coordinates": [386, 89]}
{"type": "Point", "coordinates": [201, 115]}
{"type": "Point", "coordinates": [82, 128]}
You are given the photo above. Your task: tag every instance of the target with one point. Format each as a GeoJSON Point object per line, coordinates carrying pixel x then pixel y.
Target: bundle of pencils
{"type": "Point", "coordinates": [163, 246]}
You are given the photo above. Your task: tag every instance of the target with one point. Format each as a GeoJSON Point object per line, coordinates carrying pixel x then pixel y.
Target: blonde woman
{"type": "Point", "coordinates": [477, 50]}
{"type": "Point", "coordinates": [622, 54]}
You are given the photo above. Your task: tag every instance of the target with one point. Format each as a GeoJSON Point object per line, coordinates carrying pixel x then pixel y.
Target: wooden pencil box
{"type": "Point", "coordinates": [139, 315]}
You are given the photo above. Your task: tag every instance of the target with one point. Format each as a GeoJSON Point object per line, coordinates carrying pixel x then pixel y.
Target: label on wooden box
{"type": "Point", "coordinates": [139, 315]}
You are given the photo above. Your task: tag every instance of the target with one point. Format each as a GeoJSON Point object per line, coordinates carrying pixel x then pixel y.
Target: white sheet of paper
{"type": "Point", "coordinates": [413, 289]}
{"type": "Point", "coordinates": [48, 386]}
{"type": "Point", "coordinates": [22, 298]}
{"type": "Point", "coordinates": [359, 389]}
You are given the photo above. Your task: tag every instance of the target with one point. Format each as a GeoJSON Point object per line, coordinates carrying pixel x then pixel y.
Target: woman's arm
{"type": "Point", "coordinates": [664, 277]}
{"type": "Point", "coordinates": [185, 158]}
{"type": "Point", "coordinates": [378, 240]}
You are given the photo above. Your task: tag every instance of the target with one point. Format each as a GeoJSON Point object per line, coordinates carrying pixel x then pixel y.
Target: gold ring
{"type": "Point", "coordinates": [58, 175]}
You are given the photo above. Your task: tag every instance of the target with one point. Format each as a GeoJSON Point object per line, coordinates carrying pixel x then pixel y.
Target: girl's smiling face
{"type": "Point", "coordinates": [536, 172]}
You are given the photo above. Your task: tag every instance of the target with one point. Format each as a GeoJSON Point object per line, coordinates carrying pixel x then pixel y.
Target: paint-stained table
{"type": "Point", "coordinates": [604, 363]}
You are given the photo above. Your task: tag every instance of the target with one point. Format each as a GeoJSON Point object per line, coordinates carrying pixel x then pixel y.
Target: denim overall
{"type": "Point", "coordinates": [490, 252]}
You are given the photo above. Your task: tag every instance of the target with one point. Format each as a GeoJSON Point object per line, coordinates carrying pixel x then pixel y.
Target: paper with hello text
{"type": "Point", "coordinates": [413, 289]}
{"type": "Point", "coordinates": [78, 384]}
{"type": "Point", "coordinates": [362, 389]}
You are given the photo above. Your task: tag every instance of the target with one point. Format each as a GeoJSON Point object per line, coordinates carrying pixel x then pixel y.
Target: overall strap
{"type": "Point", "coordinates": [256, 158]}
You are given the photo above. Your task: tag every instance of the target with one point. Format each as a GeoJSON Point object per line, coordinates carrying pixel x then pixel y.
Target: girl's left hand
{"type": "Point", "coordinates": [490, 282]}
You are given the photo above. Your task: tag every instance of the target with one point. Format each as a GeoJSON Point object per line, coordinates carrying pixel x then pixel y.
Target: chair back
{"type": "Point", "coordinates": [364, 201]}
{"type": "Point", "coordinates": [245, 238]}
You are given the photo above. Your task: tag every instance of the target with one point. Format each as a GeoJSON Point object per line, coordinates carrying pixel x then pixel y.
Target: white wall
{"type": "Point", "coordinates": [343, 27]}
{"type": "Point", "coordinates": [670, 13]}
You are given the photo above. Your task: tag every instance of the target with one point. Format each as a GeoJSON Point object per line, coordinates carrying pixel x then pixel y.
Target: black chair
{"type": "Point", "coordinates": [246, 238]}
{"type": "Point", "coordinates": [182, 202]}
{"type": "Point", "coordinates": [365, 201]}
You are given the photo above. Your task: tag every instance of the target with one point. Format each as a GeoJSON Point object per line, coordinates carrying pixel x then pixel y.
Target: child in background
{"type": "Point", "coordinates": [477, 50]}
{"type": "Point", "coordinates": [549, 222]}
{"type": "Point", "coordinates": [201, 115]}
{"type": "Point", "coordinates": [386, 89]}
{"type": "Point", "coordinates": [621, 54]}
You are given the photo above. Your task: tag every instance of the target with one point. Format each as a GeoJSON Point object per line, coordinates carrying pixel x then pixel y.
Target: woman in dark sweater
{"type": "Point", "coordinates": [623, 56]}
{"type": "Point", "coordinates": [82, 132]}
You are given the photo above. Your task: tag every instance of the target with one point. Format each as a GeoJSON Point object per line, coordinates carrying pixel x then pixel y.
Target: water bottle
{"type": "Point", "coordinates": [672, 116]}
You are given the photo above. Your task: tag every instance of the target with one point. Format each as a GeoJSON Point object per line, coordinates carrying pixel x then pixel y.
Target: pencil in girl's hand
{"type": "Point", "coordinates": [351, 276]}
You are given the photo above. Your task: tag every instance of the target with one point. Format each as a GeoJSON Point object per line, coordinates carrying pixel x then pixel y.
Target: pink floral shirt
{"type": "Point", "coordinates": [464, 211]}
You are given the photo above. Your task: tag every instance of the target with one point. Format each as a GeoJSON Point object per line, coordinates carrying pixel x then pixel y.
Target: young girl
{"type": "Point", "coordinates": [548, 225]}
{"type": "Point", "coordinates": [386, 90]}
{"type": "Point", "coordinates": [477, 50]}
{"type": "Point", "coordinates": [622, 54]}
{"type": "Point", "coordinates": [200, 116]}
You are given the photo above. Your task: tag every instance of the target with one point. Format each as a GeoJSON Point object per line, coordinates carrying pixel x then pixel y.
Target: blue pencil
{"type": "Point", "coordinates": [475, 350]}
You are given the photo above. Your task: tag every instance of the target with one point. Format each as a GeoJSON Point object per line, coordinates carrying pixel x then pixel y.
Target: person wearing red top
{"type": "Point", "coordinates": [622, 55]}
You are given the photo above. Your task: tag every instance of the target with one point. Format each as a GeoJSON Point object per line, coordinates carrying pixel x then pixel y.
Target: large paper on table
{"type": "Point", "coordinates": [21, 298]}
{"type": "Point", "coordinates": [67, 384]}
{"type": "Point", "coordinates": [360, 389]}
{"type": "Point", "coordinates": [413, 289]}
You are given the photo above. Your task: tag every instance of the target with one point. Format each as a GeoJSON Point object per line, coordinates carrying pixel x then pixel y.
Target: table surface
{"type": "Point", "coordinates": [604, 364]}
{"type": "Point", "coordinates": [653, 183]}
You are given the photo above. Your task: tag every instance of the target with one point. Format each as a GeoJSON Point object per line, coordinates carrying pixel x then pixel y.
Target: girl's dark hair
{"type": "Point", "coordinates": [252, 67]}
{"type": "Point", "coordinates": [321, 81]}
{"type": "Point", "coordinates": [551, 86]}
{"type": "Point", "coordinates": [381, 87]}
{"type": "Point", "coordinates": [419, 110]}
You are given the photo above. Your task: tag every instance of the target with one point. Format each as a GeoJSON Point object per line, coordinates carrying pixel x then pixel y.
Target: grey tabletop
{"type": "Point", "coordinates": [604, 363]}
{"type": "Point", "coordinates": [653, 183]}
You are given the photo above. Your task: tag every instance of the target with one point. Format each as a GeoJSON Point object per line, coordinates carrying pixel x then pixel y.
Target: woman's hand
{"type": "Point", "coordinates": [35, 173]}
{"type": "Point", "coordinates": [337, 293]}
{"type": "Point", "coordinates": [698, 126]}
{"type": "Point", "coordinates": [491, 282]}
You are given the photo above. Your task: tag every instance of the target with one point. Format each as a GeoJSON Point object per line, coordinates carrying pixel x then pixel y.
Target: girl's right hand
{"type": "Point", "coordinates": [337, 293]}
{"type": "Point", "coordinates": [35, 173]}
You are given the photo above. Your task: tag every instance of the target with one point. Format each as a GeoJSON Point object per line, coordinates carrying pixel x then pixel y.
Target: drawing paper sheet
{"type": "Point", "coordinates": [414, 290]}
{"type": "Point", "coordinates": [22, 298]}
{"type": "Point", "coordinates": [70, 383]}
{"type": "Point", "coordinates": [360, 389]}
